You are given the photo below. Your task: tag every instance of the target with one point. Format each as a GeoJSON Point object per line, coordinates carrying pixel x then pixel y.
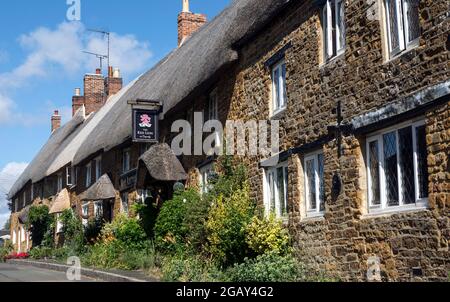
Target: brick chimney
{"type": "Point", "coordinates": [94, 92]}
{"type": "Point", "coordinates": [188, 23]}
{"type": "Point", "coordinates": [56, 121]}
{"type": "Point", "coordinates": [77, 101]}
{"type": "Point", "coordinates": [113, 83]}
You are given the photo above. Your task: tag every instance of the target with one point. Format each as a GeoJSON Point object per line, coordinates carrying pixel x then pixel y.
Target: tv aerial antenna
{"type": "Point", "coordinates": [101, 57]}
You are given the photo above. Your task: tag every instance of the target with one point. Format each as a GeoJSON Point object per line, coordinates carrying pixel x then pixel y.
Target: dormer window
{"type": "Point", "coordinates": [88, 175]}
{"type": "Point", "coordinates": [60, 183]}
{"type": "Point", "coordinates": [98, 167]}
{"type": "Point", "coordinates": [126, 160]}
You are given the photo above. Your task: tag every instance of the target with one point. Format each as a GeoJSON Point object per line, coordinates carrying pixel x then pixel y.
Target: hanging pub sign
{"type": "Point", "coordinates": [145, 115]}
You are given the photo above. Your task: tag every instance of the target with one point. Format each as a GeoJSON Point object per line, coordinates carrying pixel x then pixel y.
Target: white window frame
{"type": "Point", "coordinates": [98, 168]}
{"type": "Point", "coordinates": [126, 160]}
{"type": "Point", "coordinates": [59, 182]}
{"type": "Point", "coordinates": [69, 176]}
{"type": "Point", "coordinates": [144, 194]}
{"type": "Point", "coordinates": [317, 212]}
{"type": "Point", "coordinates": [85, 213]}
{"type": "Point", "coordinates": [124, 204]}
{"type": "Point", "coordinates": [74, 172]}
{"type": "Point", "coordinates": [204, 173]}
{"type": "Point", "coordinates": [327, 31]}
{"type": "Point", "coordinates": [281, 88]}
{"type": "Point", "coordinates": [268, 190]}
{"type": "Point", "coordinates": [383, 207]}
{"type": "Point", "coordinates": [24, 202]}
{"type": "Point", "coordinates": [98, 209]}
{"type": "Point", "coordinates": [88, 175]}
{"type": "Point", "coordinates": [22, 234]}
{"type": "Point", "coordinates": [402, 30]}
{"type": "Point", "coordinates": [213, 105]}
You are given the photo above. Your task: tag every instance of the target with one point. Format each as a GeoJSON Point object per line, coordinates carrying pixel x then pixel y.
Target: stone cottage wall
{"type": "Point", "coordinates": [410, 245]}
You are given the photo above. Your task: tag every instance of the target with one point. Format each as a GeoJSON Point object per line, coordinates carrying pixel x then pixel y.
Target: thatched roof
{"type": "Point", "coordinates": [37, 169]}
{"type": "Point", "coordinates": [103, 189]}
{"type": "Point", "coordinates": [61, 203]}
{"type": "Point", "coordinates": [63, 144]}
{"type": "Point", "coordinates": [68, 152]}
{"type": "Point", "coordinates": [170, 81]}
{"type": "Point", "coordinates": [162, 164]}
{"type": "Point", "coordinates": [24, 214]}
{"type": "Point", "coordinates": [186, 68]}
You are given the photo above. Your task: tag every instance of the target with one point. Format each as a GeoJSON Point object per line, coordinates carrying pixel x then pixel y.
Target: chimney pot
{"type": "Point", "coordinates": [56, 121]}
{"type": "Point", "coordinates": [188, 23]}
{"type": "Point", "coordinates": [98, 71]}
{"type": "Point", "coordinates": [185, 6]}
{"type": "Point", "coordinates": [110, 72]}
{"type": "Point", "coordinates": [116, 73]}
{"type": "Point", "coordinates": [77, 92]}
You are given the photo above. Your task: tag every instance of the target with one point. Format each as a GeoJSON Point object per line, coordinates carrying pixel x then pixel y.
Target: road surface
{"type": "Point", "coordinates": [19, 273]}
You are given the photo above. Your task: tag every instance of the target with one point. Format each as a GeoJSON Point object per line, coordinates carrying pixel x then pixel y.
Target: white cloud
{"type": "Point", "coordinates": [6, 105]}
{"type": "Point", "coordinates": [58, 52]}
{"type": "Point", "coordinates": [8, 175]}
{"type": "Point", "coordinates": [127, 53]}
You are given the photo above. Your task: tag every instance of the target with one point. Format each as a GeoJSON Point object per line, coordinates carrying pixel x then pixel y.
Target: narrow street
{"type": "Point", "coordinates": [19, 273]}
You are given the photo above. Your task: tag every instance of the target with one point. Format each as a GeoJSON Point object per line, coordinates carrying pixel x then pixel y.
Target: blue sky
{"type": "Point", "coordinates": [41, 61]}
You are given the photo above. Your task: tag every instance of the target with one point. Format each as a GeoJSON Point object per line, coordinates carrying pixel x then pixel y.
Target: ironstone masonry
{"type": "Point", "coordinates": [333, 107]}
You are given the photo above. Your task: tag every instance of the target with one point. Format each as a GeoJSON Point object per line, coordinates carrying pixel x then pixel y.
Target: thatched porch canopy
{"type": "Point", "coordinates": [61, 203]}
{"type": "Point", "coordinates": [103, 189]}
{"type": "Point", "coordinates": [161, 164]}
{"type": "Point", "coordinates": [23, 215]}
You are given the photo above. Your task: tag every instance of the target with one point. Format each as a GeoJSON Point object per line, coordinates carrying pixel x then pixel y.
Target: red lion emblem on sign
{"type": "Point", "coordinates": [146, 121]}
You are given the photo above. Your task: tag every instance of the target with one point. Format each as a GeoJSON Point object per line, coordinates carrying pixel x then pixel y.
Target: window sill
{"type": "Point", "coordinates": [397, 210]}
{"type": "Point", "coordinates": [332, 60]}
{"type": "Point", "coordinates": [279, 114]}
{"type": "Point", "coordinates": [313, 218]}
{"type": "Point", "coordinates": [403, 53]}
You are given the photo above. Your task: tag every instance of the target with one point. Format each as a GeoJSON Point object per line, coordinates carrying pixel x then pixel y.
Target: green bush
{"type": "Point", "coordinates": [195, 218]}
{"type": "Point", "coordinates": [184, 268]}
{"type": "Point", "coordinates": [231, 179]}
{"type": "Point", "coordinates": [116, 254]}
{"type": "Point", "coordinates": [40, 223]}
{"type": "Point", "coordinates": [267, 235]}
{"type": "Point", "coordinates": [5, 250]}
{"type": "Point", "coordinates": [144, 259]}
{"type": "Point", "coordinates": [148, 213]}
{"type": "Point", "coordinates": [41, 253]}
{"type": "Point", "coordinates": [126, 230]}
{"type": "Point", "coordinates": [270, 267]}
{"type": "Point", "coordinates": [93, 230]}
{"type": "Point", "coordinates": [226, 225]}
{"type": "Point", "coordinates": [73, 231]}
{"type": "Point", "coordinates": [170, 229]}
{"type": "Point", "coordinates": [104, 255]}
